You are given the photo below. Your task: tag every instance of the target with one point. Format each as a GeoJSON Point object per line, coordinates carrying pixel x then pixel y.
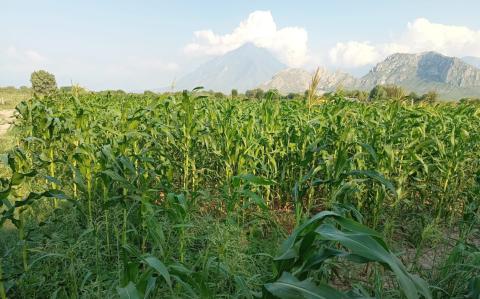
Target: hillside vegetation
{"type": "Point", "coordinates": [192, 196]}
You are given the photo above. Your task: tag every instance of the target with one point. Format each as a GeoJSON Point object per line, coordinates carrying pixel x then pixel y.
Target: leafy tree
{"type": "Point", "coordinates": [430, 97]}
{"type": "Point", "coordinates": [272, 94]}
{"type": "Point", "coordinates": [394, 92]}
{"type": "Point", "coordinates": [218, 95]}
{"type": "Point", "coordinates": [256, 93]}
{"type": "Point", "coordinates": [234, 93]}
{"type": "Point", "coordinates": [413, 97]}
{"type": "Point", "coordinates": [292, 95]}
{"type": "Point", "coordinates": [149, 93]}
{"type": "Point", "coordinates": [259, 94]}
{"type": "Point", "coordinates": [378, 93]}
{"type": "Point", "coordinates": [43, 83]}
{"type": "Point", "coordinates": [360, 95]}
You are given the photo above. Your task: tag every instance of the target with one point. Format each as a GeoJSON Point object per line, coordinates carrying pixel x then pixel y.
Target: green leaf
{"type": "Point", "coordinates": [115, 176]}
{"type": "Point", "coordinates": [370, 150]}
{"type": "Point", "coordinates": [287, 245]}
{"type": "Point", "coordinates": [4, 193]}
{"type": "Point", "coordinates": [474, 288]}
{"type": "Point", "coordinates": [52, 180]}
{"type": "Point", "coordinates": [374, 175]}
{"type": "Point", "coordinates": [257, 180]}
{"type": "Point", "coordinates": [364, 245]}
{"type": "Point", "coordinates": [129, 292]}
{"type": "Point", "coordinates": [159, 267]}
{"type": "Point", "coordinates": [289, 287]}
{"type": "Point", "coordinates": [255, 198]}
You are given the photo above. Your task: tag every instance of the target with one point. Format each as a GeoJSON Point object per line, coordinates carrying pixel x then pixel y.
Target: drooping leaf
{"type": "Point", "coordinates": [129, 292]}
{"type": "Point", "coordinates": [289, 287]}
{"type": "Point", "coordinates": [156, 264]}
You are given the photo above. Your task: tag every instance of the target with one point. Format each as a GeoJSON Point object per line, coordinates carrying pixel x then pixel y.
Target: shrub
{"type": "Point", "coordinates": [43, 83]}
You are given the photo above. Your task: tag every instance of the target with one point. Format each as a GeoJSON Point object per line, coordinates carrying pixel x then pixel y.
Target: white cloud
{"type": "Point", "coordinates": [423, 35]}
{"type": "Point", "coordinates": [420, 35]}
{"type": "Point", "coordinates": [289, 44]}
{"type": "Point", "coordinates": [354, 54]}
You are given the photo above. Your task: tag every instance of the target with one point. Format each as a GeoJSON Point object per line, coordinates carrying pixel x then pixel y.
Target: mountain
{"type": "Point", "coordinates": [451, 77]}
{"type": "Point", "coordinates": [242, 69]}
{"type": "Point", "coordinates": [297, 80]}
{"type": "Point", "coordinates": [475, 61]}
{"type": "Point", "coordinates": [289, 80]}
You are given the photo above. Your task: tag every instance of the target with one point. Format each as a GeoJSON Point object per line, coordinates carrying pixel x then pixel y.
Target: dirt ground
{"type": "Point", "coordinates": [6, 117]}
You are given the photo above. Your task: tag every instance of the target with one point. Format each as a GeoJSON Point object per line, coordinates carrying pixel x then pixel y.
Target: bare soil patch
{"type": "Point", "coordinates": [6, 119]}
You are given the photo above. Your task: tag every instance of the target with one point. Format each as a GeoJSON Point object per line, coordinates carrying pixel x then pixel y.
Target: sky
{"type": "Point", "coordinates": [138, 45]}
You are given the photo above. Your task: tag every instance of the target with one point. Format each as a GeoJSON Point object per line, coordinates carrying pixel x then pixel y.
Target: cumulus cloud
{"type": "Point", "coordinates": [419, 36]}
{"type": "Point", "coordinates": [289, 44]}
{"type": "Point", "coordinates": [354, 54]}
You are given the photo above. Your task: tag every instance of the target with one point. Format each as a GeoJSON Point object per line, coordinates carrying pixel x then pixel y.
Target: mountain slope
{"type": "Point", "coordinates": [243, 68]}
{"type": "Point", "coordinates": [297, 80]}
{"type": "Point", "coordinates": [448, 76]}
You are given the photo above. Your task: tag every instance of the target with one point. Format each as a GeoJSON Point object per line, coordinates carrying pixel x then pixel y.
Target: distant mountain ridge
{"type": "Point", "coordinates": [451, 77]}
{"type": "Point", "coordinates": [241, 69]}
{"type": "Point", "coordinates": [427, 67]}
{"type": "Point", "coordinates": [249, 67]}
{"type": "Point", "coordinates": [420, 73]}
{"type": "Point", "coordinates": [297, 80]}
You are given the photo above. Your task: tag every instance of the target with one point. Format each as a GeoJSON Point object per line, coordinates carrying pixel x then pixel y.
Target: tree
{"type": "Point", "coordinates": [413, 97]}
{"type": "Point", "coordinates": [361, 95]}
{"type": "Point", "coordinates": [272, 94]}
{"type": "Point", "coordinates": [378, 93]}
{"type": "Point", "coordinates": [259, 93]}
{"type": "Point", "coordinates": [43, 83]}
{"type": "Point", "coordinates": [234, 93]}
{"type": "Point", "coordinates": [255, 93]}
{"type": "Point", "coordinates": [218, 95]}
{"type": "Point", "coordinates": [292, 95]}
{"type": "Point", "coordinates": [149, 93]}
{"type": "Point", "coordinates": [394, 92]}
{"type": "Point", "coordinates": [430, 97]}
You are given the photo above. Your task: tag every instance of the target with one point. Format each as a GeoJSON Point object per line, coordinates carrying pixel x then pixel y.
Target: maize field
{"type": "Point", "coordinates": [188, 196]}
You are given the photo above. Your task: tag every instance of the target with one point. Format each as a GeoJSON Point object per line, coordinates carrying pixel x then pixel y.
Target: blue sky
{"type": "Point", "coordinates": [137, 45]}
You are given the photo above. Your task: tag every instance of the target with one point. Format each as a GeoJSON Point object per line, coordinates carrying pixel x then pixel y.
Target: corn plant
{"type": "Point", "coordinates": [316, 241]}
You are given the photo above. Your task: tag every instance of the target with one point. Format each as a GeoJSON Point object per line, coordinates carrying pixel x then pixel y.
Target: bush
{"type": "Point", "coordinates": [378, 93]}
{"type": "Point", "coordinates": [43, 83]}
{"type": "Point", "coordinates": [430, 97]}
{"type": "Point", "coordinates": [256, 93]}
{"type": "Point", "coordinates": [394, 92]}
